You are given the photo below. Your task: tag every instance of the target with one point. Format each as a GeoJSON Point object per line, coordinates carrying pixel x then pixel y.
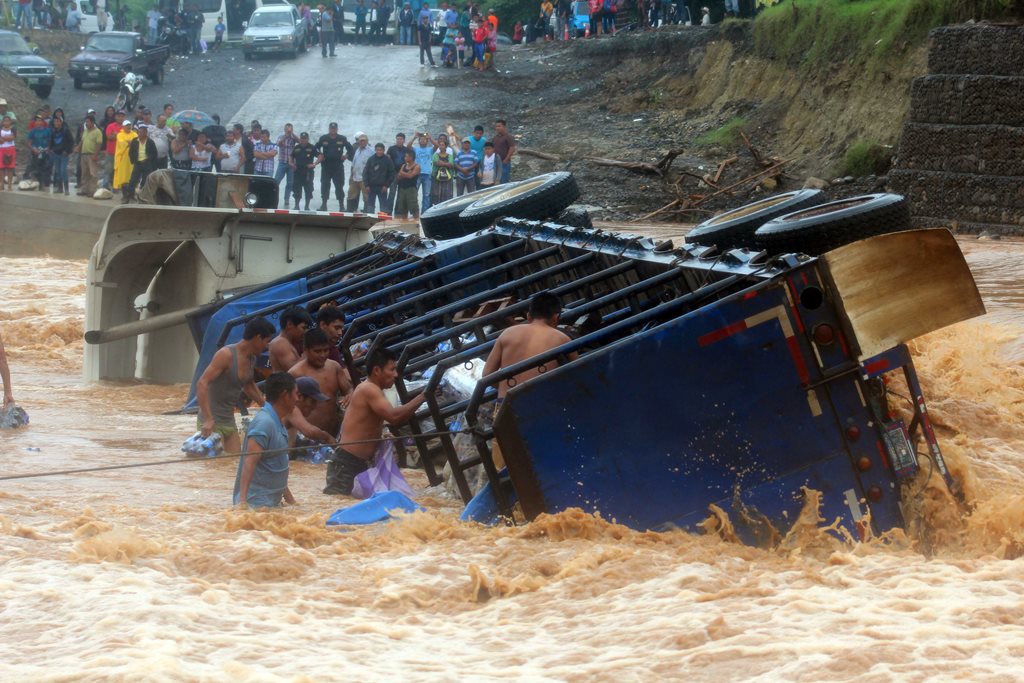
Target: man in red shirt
{"type": "Point", "coordinates": [108, 160]}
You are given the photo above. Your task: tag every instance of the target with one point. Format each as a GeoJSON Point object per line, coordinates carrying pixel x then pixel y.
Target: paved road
{"type": "Point", "coordinates": [312, 91]}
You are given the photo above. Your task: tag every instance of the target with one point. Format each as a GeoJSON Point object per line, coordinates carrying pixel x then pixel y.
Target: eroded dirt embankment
{"type": "Point", "coordinates": [634, 97]}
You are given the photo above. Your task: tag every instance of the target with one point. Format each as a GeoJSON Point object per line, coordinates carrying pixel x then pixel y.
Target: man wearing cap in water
{"type": "Point", "coordinates": [310, 396]}
{"type": "Point", "coordinates": [261, 479]}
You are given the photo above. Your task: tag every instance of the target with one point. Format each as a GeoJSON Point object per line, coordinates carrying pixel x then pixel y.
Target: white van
{"type": "Point", "coordinates": [89, 23]}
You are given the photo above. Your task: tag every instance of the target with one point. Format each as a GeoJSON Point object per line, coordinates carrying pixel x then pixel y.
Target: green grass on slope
{"type": "Point", "coordinates": [819, 32]}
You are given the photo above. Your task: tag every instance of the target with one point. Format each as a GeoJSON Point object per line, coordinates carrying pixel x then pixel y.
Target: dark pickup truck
{"type": "Point", "coordinates": [105, 55]}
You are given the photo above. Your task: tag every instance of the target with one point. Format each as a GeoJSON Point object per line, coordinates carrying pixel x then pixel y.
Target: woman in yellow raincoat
{"type": "Point", "coordinates": [122, 164]}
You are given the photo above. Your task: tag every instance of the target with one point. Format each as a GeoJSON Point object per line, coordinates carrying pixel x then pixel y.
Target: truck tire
{"type": "Point", "coordinates": [43, 91]}
{"type": "Point", "coordinates": [442, 222]}
{"type": "Point", "coordinates": [157, 77]}
{"type": "Point", "coordinates": [828, 226]}
{"type": "Point", "coordinates": [736, 228]}
{"type": "Point", "coordinates": [78, 83]}
{"type": "Point", "coordinates": [543, 196]}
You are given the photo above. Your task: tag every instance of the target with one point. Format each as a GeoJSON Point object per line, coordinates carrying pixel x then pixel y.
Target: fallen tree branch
{"type": "Point", "coordinates": [540, 155]}
{"type": "Point", "coordinates": [721, 167]}
{"type": "Point", "coordinates": [661, 210]}
{"type": "Point", "coordinates": [757, 176]}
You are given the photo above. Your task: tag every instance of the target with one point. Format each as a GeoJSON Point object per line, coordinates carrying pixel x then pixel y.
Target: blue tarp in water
{"type": "Point", "coordinates": [376, 508]}
{"type": "Point", "coordinates": [230, 310]}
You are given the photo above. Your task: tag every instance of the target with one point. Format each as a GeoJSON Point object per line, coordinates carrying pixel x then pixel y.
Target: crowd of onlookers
{"type": "Point", "coordinates": [115, 153]}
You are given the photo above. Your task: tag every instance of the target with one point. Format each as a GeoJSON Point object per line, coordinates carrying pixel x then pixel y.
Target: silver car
{"type": "Point", "coordinates": [274, 28]}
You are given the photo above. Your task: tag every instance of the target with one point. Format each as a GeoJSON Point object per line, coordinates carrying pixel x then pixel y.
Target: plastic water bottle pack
{"type": "Point", "coordinates": [199, 447]}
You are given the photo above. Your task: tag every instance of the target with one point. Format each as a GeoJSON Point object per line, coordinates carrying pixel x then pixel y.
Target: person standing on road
{"type": "Point", "coordinates": [265, 152]}
{"type": "Point", "coordinates": [181, 151]}
{"type": "Point", "coordinates": [231, 154]}
{"type": "Point", "coordinates": [61, 145]}
{"type": "Point", "coordinates": [248, 160]}
{"type": "Point", "coordinates": [505, 148]}
{"type": "Point", "coordinates": [406, 21]}
{"type": "Point", "coordinates": [8, 153]}
{"type": "Point", "coordinates": [195, 27]}
{"type": "Point", "coordinates": [396, 153]}
{"type": "Point", "coordinates": [201, 153]}
{"type": "Point", "coordinates": [424, 39]}
{"type": "Point", "coordinates": [332, 151]}
{"type": "Point", "coordinates": [23, 17]}
{"type": "Point", "coordinates": [356, 184]}
{"type": "Point", "coordinates": [142, 153]}
{"type": "Point", "coordinates": [466, 164]}
{"type": "Point", "coordinates": [101, 14]}
{"type": "Point", "coordinates": [215, 135]}
{"type": "Point", "coordinates": [327, 39]}
{"type": "Point", "coordinates": [379, 174]}
{"type": "Point", "coordinates": [360, 21]}
{"type": "Point", "coordinates": [443, 172]}
{"type": "Point", "coordinates": [407, 178]}
{"type": "Point", "coordinates": [161, 136]}
{"type": "Point", "coordinates": [89, 148]}
{"type": "Point", "coordinates": [303, 161]}
{"type": "Point", "coordinates": [285, 145]}
{"type": "Point", "coordinates": [489, 169]}
{"type": "Point", "coordinates": [424, 152]}
{"type": "Point", "coordinates": [122, 162]}
{"type": "Point", "coordinates": [153, 18]}
{"type": "Point", "coordinates": [113, 128]}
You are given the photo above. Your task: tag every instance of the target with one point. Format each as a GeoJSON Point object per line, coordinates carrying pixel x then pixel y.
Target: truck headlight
{"type": "Point", "coordinates": [287, 39]}
{"type": "Point", "coordinates": [247, 39]}
{"type": "Point", "coordinates": [49, 70]}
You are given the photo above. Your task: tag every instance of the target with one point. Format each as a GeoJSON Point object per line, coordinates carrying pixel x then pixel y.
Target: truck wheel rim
{"type": "Point", "coordinates": [827, 208]}
{"type": "Point", "coordinates": [749, 209]}
{"type": "Point", "coordinates": [516, 190]}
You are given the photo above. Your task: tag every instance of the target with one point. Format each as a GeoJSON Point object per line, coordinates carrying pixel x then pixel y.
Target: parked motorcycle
{"type": "Point", "coordinates": [128, 92]}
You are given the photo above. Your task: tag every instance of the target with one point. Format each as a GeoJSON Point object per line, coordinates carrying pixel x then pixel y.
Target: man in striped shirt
{"type": "Point", "coordinates": [465, 163]}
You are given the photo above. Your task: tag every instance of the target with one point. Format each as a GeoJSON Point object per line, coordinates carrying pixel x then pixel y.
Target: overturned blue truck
{"type": "Point", "coordinates": [736, 370]}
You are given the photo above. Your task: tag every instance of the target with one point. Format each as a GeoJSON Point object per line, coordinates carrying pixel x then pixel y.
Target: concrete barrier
{"type": "Point", "coordinates": [41, 224]}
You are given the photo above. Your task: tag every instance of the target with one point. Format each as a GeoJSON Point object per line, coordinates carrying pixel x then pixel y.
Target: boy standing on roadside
{"type": "Point", "coordinates": [490, 168]}
{"type": "Point", "coordinates": [466, 164]}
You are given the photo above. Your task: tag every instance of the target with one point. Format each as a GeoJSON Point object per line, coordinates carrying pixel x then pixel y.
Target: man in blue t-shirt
{"type": "Point", "coordinates": [477, 141]}
{"type": "Point", "coordinates": [262, 476]}
{"type": "Point", "coordinates": [424, 151]}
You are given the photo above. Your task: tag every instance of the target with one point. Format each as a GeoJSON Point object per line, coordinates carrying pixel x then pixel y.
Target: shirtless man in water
{"type": "Point", "coordinates": [367, 412]}
{"type": "Point", "coordinates": [520, 342]}
{"type": "Point", "coordinates": [286, 348]}
{"type": "Point", "coordinates": [333, 379]}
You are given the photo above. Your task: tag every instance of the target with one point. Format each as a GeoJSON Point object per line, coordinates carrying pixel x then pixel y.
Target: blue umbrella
{"type": "Point", "coordinates": [198, 119]}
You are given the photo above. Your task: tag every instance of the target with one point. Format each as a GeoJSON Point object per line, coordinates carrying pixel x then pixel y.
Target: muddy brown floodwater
{"type": "Point", "coordinates": [147, 574]}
